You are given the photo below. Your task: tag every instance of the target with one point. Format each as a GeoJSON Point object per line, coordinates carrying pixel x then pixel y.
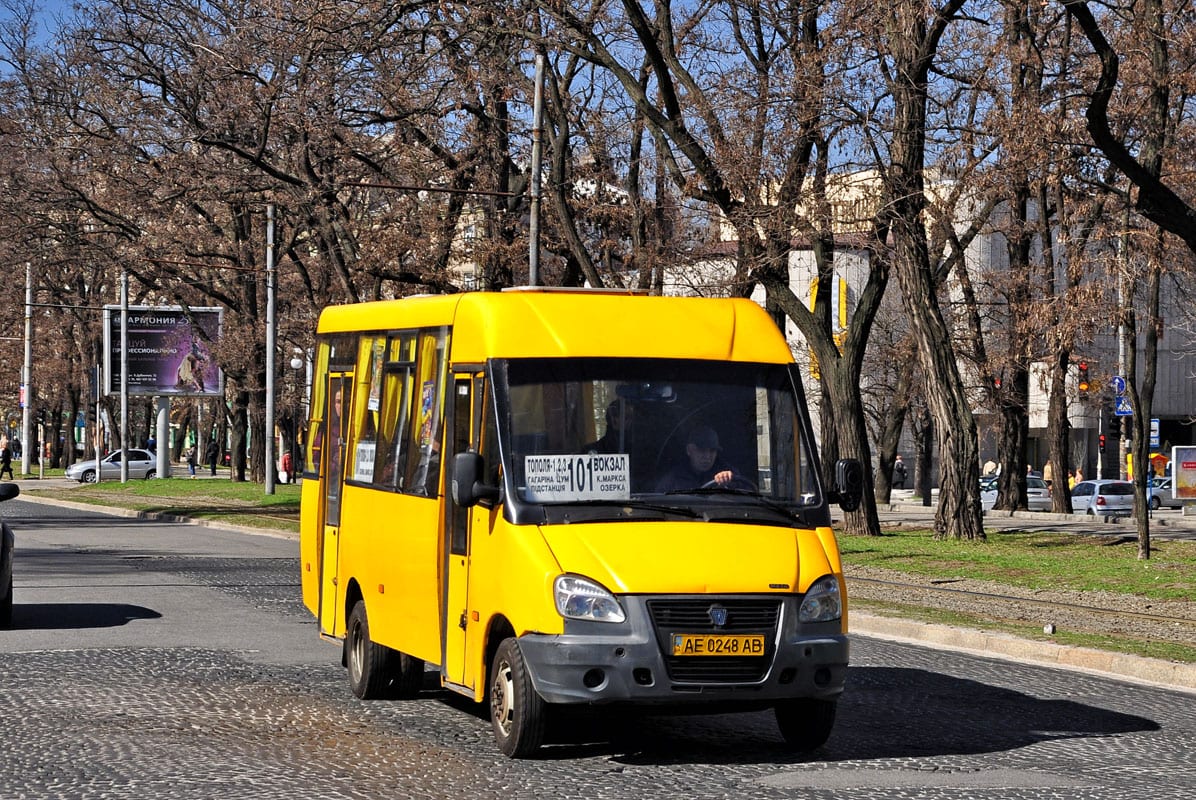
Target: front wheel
{"type": "Point", "coordinates": [806, 723]}
{"type": "Point", "coordinates": [517, 713]}
{"type": "Point", "coordinates": [89, 476]}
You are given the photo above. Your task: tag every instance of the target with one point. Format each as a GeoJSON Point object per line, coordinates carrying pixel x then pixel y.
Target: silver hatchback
{"type": "Point", "coordinates": [142, 464]}
{"type": "Point", "coordinates": [1103, 498]}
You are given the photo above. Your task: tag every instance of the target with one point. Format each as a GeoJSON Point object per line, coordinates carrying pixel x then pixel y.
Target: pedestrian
{"type": "Point", "coordinates": [285, 468]}
{"type": "Point", "coordinates": [899, 473]}
{"type": "Point", "coordinates": [213, 454]}
{"type": "Point", "coordinates": [1047, 472]}
{"type": "Point", "coordinates": [191, 460]}
{"type": "Point", "coordinates": [6, 461]}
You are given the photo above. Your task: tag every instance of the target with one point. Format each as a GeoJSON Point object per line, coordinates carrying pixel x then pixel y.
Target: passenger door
{"type": "Point", "coordinates": [330, 441]}
{"type": "Point", "coordinates": [459, 634]}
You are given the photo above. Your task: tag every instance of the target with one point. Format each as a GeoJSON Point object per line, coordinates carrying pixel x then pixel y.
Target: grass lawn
{"type": "Point", "coordinates": [1035, 561]}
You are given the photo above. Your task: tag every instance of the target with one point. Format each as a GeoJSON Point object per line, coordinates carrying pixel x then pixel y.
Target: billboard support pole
{"type": "Point", "coordinates": [162, 453]}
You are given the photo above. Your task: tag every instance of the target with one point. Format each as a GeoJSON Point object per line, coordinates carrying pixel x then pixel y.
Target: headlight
{"type": "Point", "coordinates": [822, 603]}
{"type": "Point", "coordinates": [578, 598]}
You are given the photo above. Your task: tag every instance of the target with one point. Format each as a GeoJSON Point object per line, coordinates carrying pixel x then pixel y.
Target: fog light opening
{"type": "Point", "coordinates": [593, 678]}
{"type": "Point", "coordinates": [822, 676]}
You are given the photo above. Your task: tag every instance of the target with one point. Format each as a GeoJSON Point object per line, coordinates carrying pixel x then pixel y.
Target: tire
{"type": "Point", "coordinates": [1155, 504]}
{"type": "Point", "coordinates": [806, 723]}
{"type": "Point", "coordinates": [369, 664]}
{"type": "Point", "coordinates": [407, 676]}
{"type": "Point", "coordinates": [149, 474]}
{"type": "Point", "coordinates": [517, 713]}
{"type": "Point", "coordinates": [88, 477]}
{"type": "Point", "coordinates": [6, 607]}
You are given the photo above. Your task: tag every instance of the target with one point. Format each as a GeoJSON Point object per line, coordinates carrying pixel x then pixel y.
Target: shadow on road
{"type": "Point", "coordinates": [76, 616]}
{"type": "Point", "coordinates": [886, 713]}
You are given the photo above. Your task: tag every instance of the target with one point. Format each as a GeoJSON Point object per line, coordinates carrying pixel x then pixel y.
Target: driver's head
{"type": "Point", "coordinates": [702, 448]}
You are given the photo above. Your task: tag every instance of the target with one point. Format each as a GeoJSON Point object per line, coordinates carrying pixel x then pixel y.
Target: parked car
{"type": "Point", "coordinates": [1038, 495]}
{"type": "Point", "coordinates": [1161, 495]}
{"type": "Point", "coordinates": [1103, 498]}
{"type": "Point", "coordinates": [7, 492]}
{"type": "Point", "coordinates": [142, 464]}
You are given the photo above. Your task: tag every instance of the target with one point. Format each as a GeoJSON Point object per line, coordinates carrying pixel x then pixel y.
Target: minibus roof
{"type": "Point", "coordinates": [532, 323]}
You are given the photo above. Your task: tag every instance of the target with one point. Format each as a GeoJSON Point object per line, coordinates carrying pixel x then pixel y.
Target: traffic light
{"type": "Point", "coordinates": [1082, 382]}
{"type": "Point", "coordinates": [1112, 421]}
{"type": "Point", "coordinates": [1101, 440]}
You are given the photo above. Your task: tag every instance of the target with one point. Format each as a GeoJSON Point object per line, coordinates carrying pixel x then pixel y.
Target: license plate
{"type": "Point", "coordinates": [717, 644]}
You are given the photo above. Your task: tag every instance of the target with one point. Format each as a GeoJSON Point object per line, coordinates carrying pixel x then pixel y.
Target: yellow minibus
{"type": "Point", "coordinates": [551, 497]}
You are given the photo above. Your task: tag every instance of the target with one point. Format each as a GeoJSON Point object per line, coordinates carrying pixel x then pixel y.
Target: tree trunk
{"type": "Point", "coordinates": [1015, 437]}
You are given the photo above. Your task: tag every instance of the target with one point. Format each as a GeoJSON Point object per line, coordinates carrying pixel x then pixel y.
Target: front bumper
{"type": "Point", "coordinates": [600, 663]}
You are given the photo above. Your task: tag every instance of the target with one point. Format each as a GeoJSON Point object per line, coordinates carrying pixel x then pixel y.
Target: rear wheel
{"type": "Point", "coordinates": [517, 713]}
{"type": "Point", "coordinates": [1155, 504]}
{"type": "Point", "coordinates": [806, 723]}
{"type": "Point", "coordinates": [369, 663]}
{"type": "Point", "coordinates": [407, 676]}
{"type": "Point", "coordinates": [149, 474]}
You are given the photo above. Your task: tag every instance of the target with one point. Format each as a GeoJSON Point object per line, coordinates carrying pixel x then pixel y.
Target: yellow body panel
{"type": "Point", "coordinates": [390, 546]}
{"type": "Point", "coordinates": [548, 324]}
{"type": "Point", "coordinates": [689, 558]}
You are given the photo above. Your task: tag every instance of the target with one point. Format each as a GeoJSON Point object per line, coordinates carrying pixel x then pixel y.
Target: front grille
{"type": "Point", "coordinates": [692, 615]}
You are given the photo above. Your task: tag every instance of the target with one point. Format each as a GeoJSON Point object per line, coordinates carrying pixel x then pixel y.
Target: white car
{"type": "Point", "coordinates": [1160, 495]}
{"type": "Point", "coordinates": [1038, 495]}
{"type": "Point", "coordinates": [142, 464]}
{"type": "Point", "coordinates": [1104, 498]}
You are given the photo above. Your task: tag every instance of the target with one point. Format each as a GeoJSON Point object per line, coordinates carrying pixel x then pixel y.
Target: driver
{"type": "Point", "coordinates": [703, 464]}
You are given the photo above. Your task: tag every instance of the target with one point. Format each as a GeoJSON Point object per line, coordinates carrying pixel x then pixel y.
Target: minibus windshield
{"type": "Point", "coordinates": [655, 431]}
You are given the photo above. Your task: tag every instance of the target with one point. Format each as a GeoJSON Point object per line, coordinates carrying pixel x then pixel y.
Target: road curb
{"type": "Point", "coordinates": [1138, 669]}
{"type": "Point", "coordinates": [158, 516]}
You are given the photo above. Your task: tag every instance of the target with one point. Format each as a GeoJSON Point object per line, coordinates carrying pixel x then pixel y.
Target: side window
{"type": "Point", "coordinates": [333, 353]}
{"type": "Point", "coordinates": [397, 378]}
{"type": "Point", "coordinates": [426, 409]}
{"type": "Point", "coordinates": [363, 424]}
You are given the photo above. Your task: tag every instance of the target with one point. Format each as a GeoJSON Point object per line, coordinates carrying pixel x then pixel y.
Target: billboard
{"type": "Point", "coordinates": [169, 351]}
{"type": "Point", "coordinates": [1183, 472]}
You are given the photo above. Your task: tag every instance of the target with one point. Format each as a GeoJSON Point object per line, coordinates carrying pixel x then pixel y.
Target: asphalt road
{"type": "Point", "coordinates": [152, 659]}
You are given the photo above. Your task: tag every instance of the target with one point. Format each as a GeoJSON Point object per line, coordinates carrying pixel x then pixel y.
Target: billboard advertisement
{"type": "Point", "coordinates": [1183, 472]}
{"type": "Point", "coordinates": [169, 351]}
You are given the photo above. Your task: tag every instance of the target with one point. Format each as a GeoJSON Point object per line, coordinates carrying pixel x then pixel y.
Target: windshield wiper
{"type": "Point", "coordinates": [767, 502]}
{"type": "Point", "coordinates": [667, 509]}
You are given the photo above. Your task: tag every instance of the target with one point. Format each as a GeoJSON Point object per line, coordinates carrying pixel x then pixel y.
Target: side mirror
{"type": "Point", "coordinates": [465, 487]}
{"type": "Point", "coordinates": [849, 483]}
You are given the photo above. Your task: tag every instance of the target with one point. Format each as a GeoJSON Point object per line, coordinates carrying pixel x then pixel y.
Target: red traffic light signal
{"type": "Point", "coordinates": [1102, 442]}
{"type": "Point", "coordinates": [1082, 383]}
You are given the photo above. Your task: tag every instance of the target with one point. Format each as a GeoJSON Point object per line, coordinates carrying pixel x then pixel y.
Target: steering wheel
{"type": "Point", "coordinates": [736, 482]}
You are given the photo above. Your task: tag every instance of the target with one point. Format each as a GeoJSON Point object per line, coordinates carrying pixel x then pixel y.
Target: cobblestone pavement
{"type": "Point", "coordinates": [154, 660]}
